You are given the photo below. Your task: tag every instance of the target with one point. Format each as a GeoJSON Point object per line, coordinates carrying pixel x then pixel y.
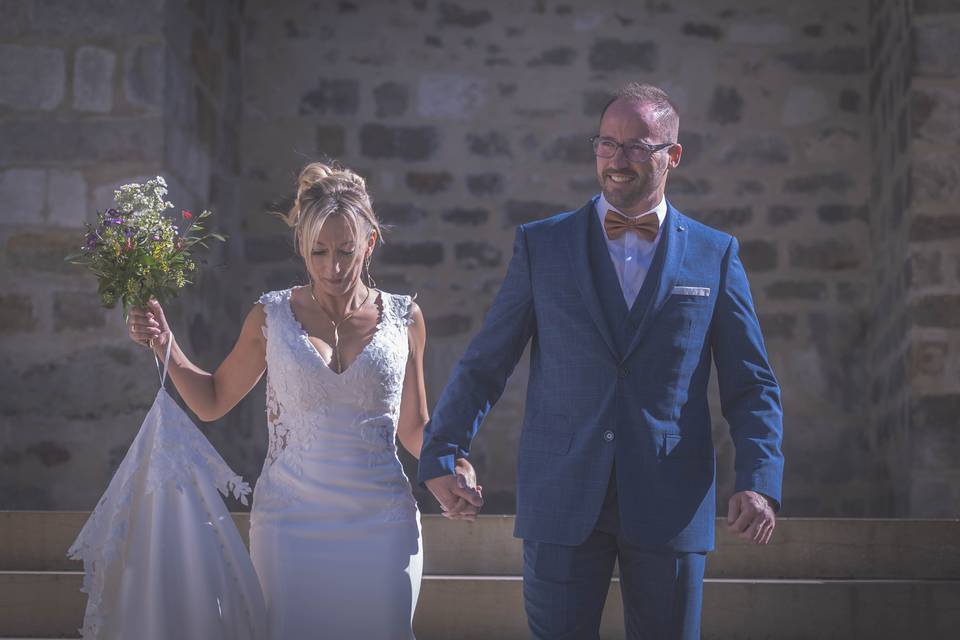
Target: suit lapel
{"type": "Point", "coordinates": [675, 239]}
{"type": "Point", "coordinates": [578, 238]}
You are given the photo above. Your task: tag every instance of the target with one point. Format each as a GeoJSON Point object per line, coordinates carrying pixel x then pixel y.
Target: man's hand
{"type": "Point", "coordinates": [459, 495]}
{"type": "Point", "coordinates": [750, 516]}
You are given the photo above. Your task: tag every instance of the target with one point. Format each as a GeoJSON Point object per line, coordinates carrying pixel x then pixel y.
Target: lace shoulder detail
{"type": "Point", "coordinates": [401, 308]}
{"type": "Point", "coordinates": [271, 301]}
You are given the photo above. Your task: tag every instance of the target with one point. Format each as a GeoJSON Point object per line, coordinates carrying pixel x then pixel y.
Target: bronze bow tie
{"type": "Point", "coordinates": [616, 224]}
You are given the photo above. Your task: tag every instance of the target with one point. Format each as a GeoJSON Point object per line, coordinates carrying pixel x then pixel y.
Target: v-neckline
{"type": "Point", "coordinates": [306, 336]}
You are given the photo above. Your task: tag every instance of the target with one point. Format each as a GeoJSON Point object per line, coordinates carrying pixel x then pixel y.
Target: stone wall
{"type": "Point", "coordinates": [934, 274]}
{"type": "Point", "coordinates": [468, 120]}
{"type": "Point", "coordinates": [802, 135]}
{"type": "Point", "coordinates": [92, 98]}
{"type": "Point", "coordinates": [887, 435]}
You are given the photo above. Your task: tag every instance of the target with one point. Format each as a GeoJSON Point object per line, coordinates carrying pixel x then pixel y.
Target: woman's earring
{"type": "Point", "coordinates": [366, 269]}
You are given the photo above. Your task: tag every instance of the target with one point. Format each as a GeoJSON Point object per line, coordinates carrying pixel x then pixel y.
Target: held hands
{"type": "Point", "coordinates": [146, 324]}
{"type": "Point", "coordinates": [750, 516]}
{"type": "Point", "coordinates": [459, 495]}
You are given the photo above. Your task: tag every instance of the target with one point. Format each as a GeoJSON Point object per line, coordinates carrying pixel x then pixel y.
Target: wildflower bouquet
{"type": "Point", "coordinates": [136, 251]}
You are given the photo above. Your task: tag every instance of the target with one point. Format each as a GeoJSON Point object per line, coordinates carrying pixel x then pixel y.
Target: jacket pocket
{"type": "Point", "coordinates": [675, 447]}
{"type": "Point", "coordinates": [547, 440]}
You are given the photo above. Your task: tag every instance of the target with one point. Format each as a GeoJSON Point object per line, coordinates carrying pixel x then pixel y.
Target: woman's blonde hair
{"type": "Point", "coordinates": [323, 191]}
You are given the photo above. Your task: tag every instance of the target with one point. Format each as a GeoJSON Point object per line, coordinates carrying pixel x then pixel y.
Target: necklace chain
{"type": "Point", "coordinates": [336, 324]}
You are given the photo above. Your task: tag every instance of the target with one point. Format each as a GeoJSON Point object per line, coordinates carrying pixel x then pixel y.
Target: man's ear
{"type": "Point", "coordinates": [675, 152]}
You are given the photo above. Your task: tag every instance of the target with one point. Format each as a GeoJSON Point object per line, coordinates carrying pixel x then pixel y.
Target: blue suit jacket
{"type": "Point", "coordinates": [590, 404]}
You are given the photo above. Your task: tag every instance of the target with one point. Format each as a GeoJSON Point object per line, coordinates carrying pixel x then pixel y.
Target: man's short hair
{"type": "Point", "coordinates": [665, 111]}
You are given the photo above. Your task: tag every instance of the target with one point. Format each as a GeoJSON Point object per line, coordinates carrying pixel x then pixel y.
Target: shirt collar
{"type": "Point", "coordinates": [603, 206]}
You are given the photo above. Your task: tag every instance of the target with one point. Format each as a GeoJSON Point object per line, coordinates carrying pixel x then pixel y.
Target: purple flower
{"type": "Point", "coordinates": [128, 232]}
{"type": "Point", "coordinates": [91, 241]}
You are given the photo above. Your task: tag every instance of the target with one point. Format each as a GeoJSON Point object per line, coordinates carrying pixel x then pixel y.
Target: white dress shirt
{"type": "Point", "coordinates": [631, 254]}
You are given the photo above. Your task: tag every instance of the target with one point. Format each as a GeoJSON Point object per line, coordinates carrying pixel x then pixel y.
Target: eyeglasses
{"type": "Point", "coordinates": [635, 151]}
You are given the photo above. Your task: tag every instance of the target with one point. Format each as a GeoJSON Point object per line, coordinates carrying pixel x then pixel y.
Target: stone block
{"type": "Point", "coordinates": [405, 143]}
{"type": "Point", "coordinates": [796, 290]}
{"type": "Point", "coordinates": [399, 213]}
{"type": "Point", "coordinates": [428, 182]}
{"type": "Point", "coordinates": [485, 184]}
{"type": "Point", "coordinates": [34, 78]}
{"type": "Point", "coordinates": [16, 314]}
{"type": "Point", "coordinates": [928, 7]}
{"type": "Point", "coordinates": [451, 96]}
{"type": "Point", "coordinates": [930, 357]}
{"type": "Point", "coordinates": [466, 217]}
{"type": "Point", "coordinates": [594, 102]}
{"type": "Point", "coordinates": [803, 105]}
{"type": "Point", "coordinates": [451, 14]}
{"type": "Point", "coordinates": [93, 69]}
{"type": "Point", "coordinates": [570, 149]}
{"type": "Point", "coordinates": [12, 18]}
{"type": "Point", "coordinates": [473, 255]}
{"type": "Point", "coordinates": [687, 186]}
{"type": "Point", "coordinates": [935, 115]}
{"type": "Point", "coordinates": [339, 97]}
{"type": "Point", "coordinates": [143, 76]}
{"type": "Point", "coordinates": [554, 57]}
{"type": "Point", "coordinates": [520, 211]}
{"type": "Point", "coordinates": [826, 255]}
{"type": "Point", "coordinates": [66, 198]}
{"type": "Point", "coordinates": [931, 228]}
{"type": "Point", "coordinates": [489, 144]}
{"type": "Point", "coordinates": [77, 311]}
{"type": "Point", "coordinates": [939, 311]}
{"type": "Point", "coordinates": [44, 251]}
{"type": "Point", "coordinates": [781, 214]}
{"type": "Point", "coordinates": [936, 49]}
{"type": "Point", "coordinates": [935, 430]}
{"type": "Point", "coordinates": [22, 195]}
{"type": "Point", "coordinates": [836, 60]}
{"type": "Point", "coordinates": [759, 33]}
{"type": "Point", "coordinates": [758, 255]}
{"type": "Point", "coordinates": [81, 142]}
{"type": "Point", "coordinates": [835, 182]}
{"type": "Point", "coordinates": [391, 99]}
{"type": "Point", "coordinates": [849, 101]}
{"type": "Point", "coordinates": [777, 326]}
{"type": "Point", "coordinates": [331, 140]}
{"type": "Point", "coordinates": [724, 217]}
{"type": "Point", "coordinates": [608, 55]}
{"type": "Point", "coordinates": [449, 325]}
{"type": "Point", "coordinates": [96, 381]}
{"type": "Point", "coordinates": [703, 30]}
{"type": "Point", "coordinates": [841, 212]}
{"type": "Point", "coordinates": [726, 106]}
{"type": "Point", "coordinates": [270, 248]}
{"type": "Point", "coordinates": [412, 253]}
{"type": "Point", "coordinates": [935, 177]}
{"type": "Point", "coordinates": [755, 149]}
{"type": "Point", "coordinates": [98, 18]}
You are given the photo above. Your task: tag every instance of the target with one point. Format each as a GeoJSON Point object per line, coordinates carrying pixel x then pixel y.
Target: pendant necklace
{"type": "Point", "coordinates": [336, 325]}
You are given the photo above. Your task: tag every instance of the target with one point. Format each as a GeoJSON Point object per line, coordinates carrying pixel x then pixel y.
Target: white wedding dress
{"type": "Point", "coordinates": [334, 528]}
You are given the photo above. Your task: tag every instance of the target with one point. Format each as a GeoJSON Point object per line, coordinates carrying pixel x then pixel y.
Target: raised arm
{"type": "Point", "coordinates": [209, 395]}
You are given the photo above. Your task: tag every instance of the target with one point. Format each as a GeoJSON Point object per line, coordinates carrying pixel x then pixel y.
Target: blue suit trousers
{"type": "Point", "coordinates": [565, 587]}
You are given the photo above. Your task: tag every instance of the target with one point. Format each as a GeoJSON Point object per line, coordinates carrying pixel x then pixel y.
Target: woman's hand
{"type": "Point", "coordinates": [146, 324]}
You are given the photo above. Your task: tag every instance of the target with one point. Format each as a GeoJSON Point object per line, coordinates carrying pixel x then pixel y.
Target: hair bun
{"type": "Point", "coordinates": [316, 181]}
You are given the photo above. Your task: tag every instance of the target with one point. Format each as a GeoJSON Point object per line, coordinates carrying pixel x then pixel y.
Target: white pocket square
{"type": "Point", "coordinates": [691, 291]}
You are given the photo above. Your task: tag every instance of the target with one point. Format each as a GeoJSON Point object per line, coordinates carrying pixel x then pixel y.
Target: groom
{"type": "Point", "coordinates": [626, 301]}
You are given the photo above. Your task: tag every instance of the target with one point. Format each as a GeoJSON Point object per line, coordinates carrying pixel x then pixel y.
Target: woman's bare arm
{"type": "Point", "coordinates": [209, 395]}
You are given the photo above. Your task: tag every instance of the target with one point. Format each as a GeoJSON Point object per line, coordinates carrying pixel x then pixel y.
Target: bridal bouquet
{"type": "Point", "coordinates": [137, 251]}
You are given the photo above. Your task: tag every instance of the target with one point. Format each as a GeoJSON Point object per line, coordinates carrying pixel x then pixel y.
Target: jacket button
{"type": "Point", "coordinates": [608, 435]}
{"type": "Point", "coordinates": [622, 372]}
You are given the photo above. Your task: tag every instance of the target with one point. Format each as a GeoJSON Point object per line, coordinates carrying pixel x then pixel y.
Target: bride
{"type": "Point", "coordinates": [334, 528]}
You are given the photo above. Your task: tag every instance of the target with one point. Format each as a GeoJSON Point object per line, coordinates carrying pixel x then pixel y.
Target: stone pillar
{"type": "Point", "coordinates": [933, 277]}
{"type": "Point", "coordinates": [92, 98]}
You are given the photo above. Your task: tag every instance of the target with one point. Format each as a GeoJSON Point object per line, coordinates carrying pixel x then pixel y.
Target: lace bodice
{"type": "Point", "coordinates": [308, 402]}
